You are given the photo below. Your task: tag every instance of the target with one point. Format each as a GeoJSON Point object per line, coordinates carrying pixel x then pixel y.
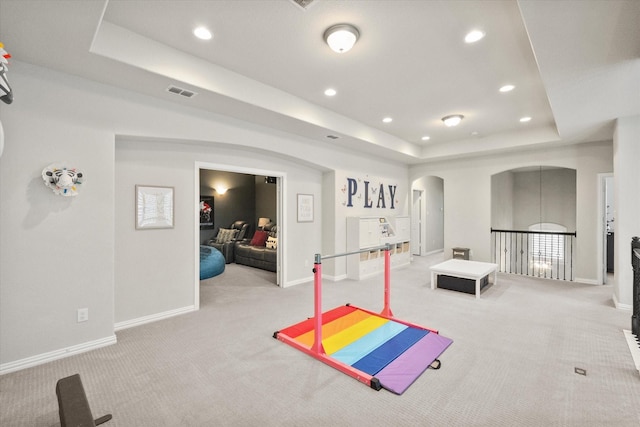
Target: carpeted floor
{"type": "Point", "coordinates": [511, 364]}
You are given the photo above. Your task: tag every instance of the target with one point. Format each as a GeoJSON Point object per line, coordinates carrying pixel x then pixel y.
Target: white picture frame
{"type": "Point", "coordinates": [154, 207]}
{"type": "Point", "coordinates": [305, 207]}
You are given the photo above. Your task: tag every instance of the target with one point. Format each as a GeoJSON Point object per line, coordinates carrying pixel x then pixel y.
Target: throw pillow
{"type": "Point", "coordinates": [226, 235]}
{"type": "Point", "coordinates": [259, 238]}
{"type": "Point", "coordinates": [272, 242]}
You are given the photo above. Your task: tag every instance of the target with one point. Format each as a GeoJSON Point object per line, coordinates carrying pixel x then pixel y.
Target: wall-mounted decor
{"type": "Point", "coordinates": [206, 213]}
{"type": "Point", "coordinates": [369, 193]}
{"type": "Point", "coordinates": [63, 180]}
{"type": "Point", "coordinates": [6, 94]}
{"type": "Point", "coordinates": [305, 207]}
{"type": "Point", "coordinates": [154, 207]}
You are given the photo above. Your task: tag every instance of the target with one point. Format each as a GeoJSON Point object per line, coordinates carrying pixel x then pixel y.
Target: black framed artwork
{"type": "Point", "coordinates": [206, 212]}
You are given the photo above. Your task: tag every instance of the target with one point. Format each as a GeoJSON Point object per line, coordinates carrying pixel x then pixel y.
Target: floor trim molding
{"type": "Point", "coordinates": [153, 318]}
{"type": "Point", "coordinates": [621, 306]}
{"type": "Point", "coordinates": [50, 356]}
{"type": "Point", "coordinates": [634, 347]}
{"type": "Point", "coordinates": [586, 281]}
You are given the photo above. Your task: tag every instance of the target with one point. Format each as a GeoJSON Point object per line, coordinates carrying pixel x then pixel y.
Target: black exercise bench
{"type": "Point", "coordinates": [73, 406]}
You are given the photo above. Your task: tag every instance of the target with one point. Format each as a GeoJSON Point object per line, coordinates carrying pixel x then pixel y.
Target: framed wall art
{"type": "Point", "coordinates": [154, 207]}
{"type": "Point", "coordinates": [206, 213]}
{"type": "Point", "coordinates": [305, 207]}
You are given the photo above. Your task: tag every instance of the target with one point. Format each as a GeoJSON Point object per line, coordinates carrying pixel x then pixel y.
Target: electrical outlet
{"type": "Point", "coordinates": [83, 314]}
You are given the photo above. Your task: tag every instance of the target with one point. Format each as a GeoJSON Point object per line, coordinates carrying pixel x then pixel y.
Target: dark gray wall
{"type": "Point", "coordinates": [238, 203]}
{"type": "Point", "coordinates": [266, 200]}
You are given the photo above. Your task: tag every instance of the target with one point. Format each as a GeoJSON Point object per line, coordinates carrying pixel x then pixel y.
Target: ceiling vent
{"type": "Point", "coordinates": [179, 91]}
{"type": "Point", "coordinates": [303, 3]}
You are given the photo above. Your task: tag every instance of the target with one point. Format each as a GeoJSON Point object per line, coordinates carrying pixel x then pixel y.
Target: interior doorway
{"type": "Point", "coordinates": [280, 217]}
{"type": "Point", "coordinates": [427, 215]}
{"type": "Point", "coordinates": [606, 225]}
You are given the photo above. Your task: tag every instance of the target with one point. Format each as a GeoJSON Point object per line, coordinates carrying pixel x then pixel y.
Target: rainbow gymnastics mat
{"type": "Point", "coordinates": [380, 351]}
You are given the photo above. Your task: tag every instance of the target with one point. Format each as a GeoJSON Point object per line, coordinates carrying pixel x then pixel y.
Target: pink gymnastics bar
{"type": "Point", "coordinates": [316, 350]}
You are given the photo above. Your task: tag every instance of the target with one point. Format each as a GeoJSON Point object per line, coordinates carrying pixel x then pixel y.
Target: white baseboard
{"type": "Point", "coordinates": [433, 252]}
{"type": "Point", "coordinates": [620, 306]}
{"type": "Point", "coordinates": [633, 347]}
{"type": "Point", "coordinates": [311, 278]}
{"type": "Point", "coordinates": [153, 318]}
{"type": "Point", "coordinates": [586, 281]}
{"type": "Point", "coordinates": [299, 281]}
{"type": "Point", "coordinates": [43, 358]}
{"type": "Point", "coordinates": [335, 278]}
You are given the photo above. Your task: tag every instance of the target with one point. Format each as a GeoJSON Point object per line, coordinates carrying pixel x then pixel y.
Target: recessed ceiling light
{"type": "Point", "coordinates": [525, 119]}
{"type": "Point", "coordinates": [202, 33]}
{"type": "Point", "coordinates": [387, 120]}
{"type": "Point", "coordinates": [453, 120]}
{"type": "Point", "coordinates": [330, 92]}
{"type": "Point", "coordinates": [426, 138]}
{"type": "Point", "coordinates": [507, 88]}
{"type": "Point", "coordinates": [474, 133]}
{"type": "Point", "coordinates": [474, 36]}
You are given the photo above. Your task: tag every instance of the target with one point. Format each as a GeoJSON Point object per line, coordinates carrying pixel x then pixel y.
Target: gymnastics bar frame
{"type": "Point", "coordinates": [317, 350]}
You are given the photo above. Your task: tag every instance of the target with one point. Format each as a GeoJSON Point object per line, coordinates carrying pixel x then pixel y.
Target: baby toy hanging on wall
{"type": "Point", "coordinates": [6, 95]}
{"type": "Point", "coordinates": [62, 180]}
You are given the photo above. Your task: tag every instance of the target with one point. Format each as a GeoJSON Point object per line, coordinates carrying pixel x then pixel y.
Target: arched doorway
{"type": "Point", "coordinates": [533, 221]}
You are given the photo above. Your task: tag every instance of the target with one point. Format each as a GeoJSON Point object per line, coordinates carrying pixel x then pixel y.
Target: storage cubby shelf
{"type": "Point", "coordinates": [368, 232]}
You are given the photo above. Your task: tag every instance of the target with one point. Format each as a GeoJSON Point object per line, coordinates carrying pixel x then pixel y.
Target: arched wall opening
{"type": "Point", "coordinates": [533, 221]}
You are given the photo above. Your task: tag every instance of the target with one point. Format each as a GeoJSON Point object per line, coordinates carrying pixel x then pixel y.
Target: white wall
{"type": "Point", "coordinates": [626, 186]}
{"type": "Point", "coordinates": [467, 197]}
{"type": "Point", "coordinates": [57, 255]}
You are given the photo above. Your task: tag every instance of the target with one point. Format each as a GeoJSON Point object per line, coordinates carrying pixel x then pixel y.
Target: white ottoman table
{"type": "Point", "coordinates": [471, 270]}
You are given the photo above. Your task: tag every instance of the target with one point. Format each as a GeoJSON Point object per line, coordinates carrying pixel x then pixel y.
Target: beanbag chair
{"type": "Point", "coordinates": [211, 262]}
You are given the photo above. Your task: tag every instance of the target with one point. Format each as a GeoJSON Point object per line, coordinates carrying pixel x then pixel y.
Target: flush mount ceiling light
{"type": "Point", "coordinates": [474, 36]}
{"type": "Point", "coordinates": [453, 120]}
{"type": "Point", "coordinates": [202, 33]}
{"type": "Point", "coordinates": [341, 37]}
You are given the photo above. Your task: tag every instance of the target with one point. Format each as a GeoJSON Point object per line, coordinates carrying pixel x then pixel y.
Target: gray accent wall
{"type": "Point", "coordinates": [549, 196]}
{"type": "Point", "coordinates": [520, 199]}
{"type": "Point", "coordinates": [237, 204]}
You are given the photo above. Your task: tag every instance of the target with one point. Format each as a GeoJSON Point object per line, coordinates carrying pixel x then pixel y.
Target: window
{"type": "Point", "coordinates": [547, 248]}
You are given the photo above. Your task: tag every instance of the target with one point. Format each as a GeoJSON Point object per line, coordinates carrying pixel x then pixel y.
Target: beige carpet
{"type": "Point", "coordinates": [511, 364]}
